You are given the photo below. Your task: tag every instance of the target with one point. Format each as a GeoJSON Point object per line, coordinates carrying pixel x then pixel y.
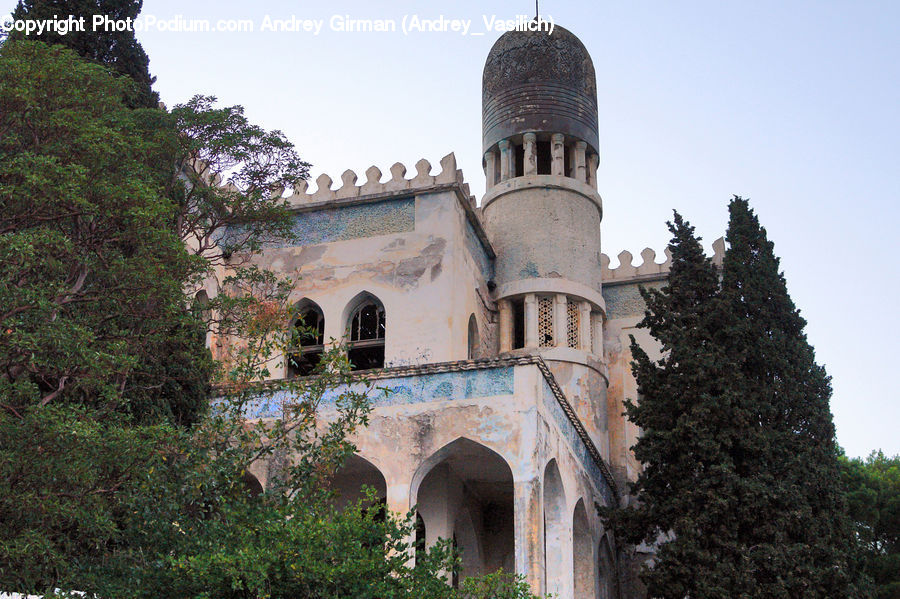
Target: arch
{"type": "Point", "coordinates": [366, 321]}
{"type": "Point", "coordinates": [204, 313]}
{"type": "Point", "coordinates": [606, 574]}
{"type": "Point", "coordinates": [582, 553]}
{"type": "Point", "coordinates": [307, 338]}
{"type": "Point", "coordinates": [251, 483]}
{"type": "Point", "coordinates": [464, 491]}
{"type": "Point", "coordinates": [555, 531]}
{"type": "Point", "coordinates": [474, 339]}
{"type": "Point", "coordinates": [357, 472]}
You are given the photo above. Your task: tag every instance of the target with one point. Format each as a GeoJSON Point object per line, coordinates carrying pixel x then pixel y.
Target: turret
{"type": "Point", "coordinates": [541, 209]}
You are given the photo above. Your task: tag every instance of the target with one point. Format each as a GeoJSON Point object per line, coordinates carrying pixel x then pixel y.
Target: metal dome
{"type": "Point", "coordinates": [534, 81]}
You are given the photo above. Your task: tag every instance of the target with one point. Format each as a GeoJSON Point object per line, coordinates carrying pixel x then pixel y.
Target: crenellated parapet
{"type": "Point", "coordinates": [649, 268]}
{"type": "Point", "coordinates": [398, 183]}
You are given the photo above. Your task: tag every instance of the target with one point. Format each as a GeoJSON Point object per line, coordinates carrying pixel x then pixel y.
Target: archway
{"type": "Point", "coordinates": [466, 493]}
{"type": "Point", "coordinates": [349, 480]}
{"type": "Point", "coordinates": [555, 531]}
{"type": "Point", "coordinates": [606, 582]}
{"type": "Point", "coordinates": [582, 553]}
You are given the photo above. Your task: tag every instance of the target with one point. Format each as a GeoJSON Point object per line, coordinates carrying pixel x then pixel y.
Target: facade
{"type": "Point", "coordinates": [497, 325]}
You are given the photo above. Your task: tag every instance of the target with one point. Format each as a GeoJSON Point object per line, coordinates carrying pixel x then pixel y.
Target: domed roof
{"type": "Point", "coordinates": [536, 81]}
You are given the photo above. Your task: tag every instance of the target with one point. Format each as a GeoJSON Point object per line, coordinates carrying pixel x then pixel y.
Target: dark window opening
{"type": "Point", "coordinates": [454, 577]}
{"type": "Point", "coordinates": [544, 158]}
{"type": "Point", "coordinates": [474, 344]}
{"type": "Point", "coordinates": [309, 339]}
{"type": "Point", "coordinates": [420, 535]}
{"type": "Point", "coordinates": [367, 328]}
{"type": "Point", "coordinates": [568, 166]}
{"type": "Point", "coordinates": [520, 160]}
{"type": "Point", "coordinates": [518, 306]}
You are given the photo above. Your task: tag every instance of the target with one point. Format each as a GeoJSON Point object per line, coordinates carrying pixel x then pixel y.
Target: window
{"type": "Point", "coordinates": [545, 322]}
{"type": "Point", "coordinates": [518, 308]}
{"type": "Point", "coordinates": [309, 339]}
{"type": "Point", "coordinates": [474, 341]}
{"type": "Point", "coordinates": [520, 160]}
{"type": "Point", "coordinates": [573, 321]}
{"type": "Point", "coordinates": [544, 158]}
{"type": "Point", "coordinates": [367, 327]}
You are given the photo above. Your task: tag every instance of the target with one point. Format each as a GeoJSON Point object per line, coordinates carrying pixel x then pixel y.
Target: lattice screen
{"type": "Point", "coordinates": [572, 324]}
{"type": "Point", "coordinates": [545, 322]}
{"type": "Point", "coordinates": [594, 323]}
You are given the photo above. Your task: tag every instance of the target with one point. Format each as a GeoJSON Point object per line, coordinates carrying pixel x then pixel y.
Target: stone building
{"type": "Point", "coordinates": [498, 326]}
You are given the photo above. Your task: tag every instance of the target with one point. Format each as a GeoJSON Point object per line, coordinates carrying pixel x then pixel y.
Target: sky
{"type": "Point", "coordinates": [790, 103]}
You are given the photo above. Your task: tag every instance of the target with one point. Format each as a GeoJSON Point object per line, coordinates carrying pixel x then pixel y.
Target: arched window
{"type": "Point", "coordinates": [474, 340]}
{"type": "Point", "coordinates": [367, 328]}
{"type": "Point", "coordinates": [309, 341]}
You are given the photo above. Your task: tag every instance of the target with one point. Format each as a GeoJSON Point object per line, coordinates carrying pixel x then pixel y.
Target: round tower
{"type": "Point", "coordinates": [541, 208]}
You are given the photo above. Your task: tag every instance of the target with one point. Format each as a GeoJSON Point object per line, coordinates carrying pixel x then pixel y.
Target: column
{"type": "Point", "coordinates": [530, 144]}
{"type": "Point", "coordinates": [504, 160]}
{"type": "Point", "coordinates": [578, 165]}
{"type": "Point", "coordinates": [506, 325]}
{"type": "Point", "coordinates": [593, 165]}
{"type": "Point", "coordinates": [584, 326]}
{"type": "Point", "coordinates": [529, 532]}
{"type": "Point", "coordinates": [597, 340]}
{"type": "Point", "coordinates": [560, 320]}
{"type": "Point", "coordinates": [531, 318]}
{"type": "Point", "coordinates": [557, 152]}
{"type": "Point", "coordinates": [490, 168]}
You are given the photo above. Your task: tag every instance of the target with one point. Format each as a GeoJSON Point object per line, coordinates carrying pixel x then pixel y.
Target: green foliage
{"type": "Point", "coordinates": [118, 51]}
{"type": "Point", "coordinates": [498, 585]}
{"type": "Point", "coordinates": [873, 495]}
{"type": "Point", "coordinates": [91, 273]}
{"type": "Point", "coordinates": [738, 448]}
{"type": "Point", "coordinates": [115, 478]}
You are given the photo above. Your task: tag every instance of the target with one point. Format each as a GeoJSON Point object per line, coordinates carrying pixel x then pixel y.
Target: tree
{"type": "Point", "coordinates": [98, 493]}
{"type": "Point", "coordinates": [92, 274]}
{"type": "Point", "coordinates": [873, 496]}
{"type": "Point", "coordinates": [802, 531]}
{"type": "Point", "coordinates": [690, 417]}
{"type": "Point", "coordinates": [738, 488]}
{"type": "Point", "coordinates": [117, 50]}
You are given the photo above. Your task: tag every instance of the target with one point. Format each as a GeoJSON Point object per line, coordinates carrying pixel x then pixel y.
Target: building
{"type": "Point", "coordinates": [498, 326]}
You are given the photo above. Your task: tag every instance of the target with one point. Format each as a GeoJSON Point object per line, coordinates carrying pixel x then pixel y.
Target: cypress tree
{"type": "Point", "coordinates": [741, 488]}
{"type": "Point", "coordinates": [795, 524]}
{"type": "Point", "coordinates": [690, 416]}
{"type": "Point", "coordinates": [118, 50]}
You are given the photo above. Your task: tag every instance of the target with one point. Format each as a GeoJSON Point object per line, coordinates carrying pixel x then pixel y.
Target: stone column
{"type": "Point", "coordinates": [593, 165]}
{"type": "Point", "coordinates": [560, 319]}
{"type": "Point", "coordinates": [529, 532]}
{"type": "Point", "coordinates": [505, 160]}
{"type": "Point", "coordinates": [584, 326]}
{"type": "Point", "coordinates": [578, 165]}
{"type": "Point", "coordinates": [531, 321]}
{"type": "Point", "coordinates": [490, 168]}
{"type": "Point", "coordinates": [597, 342]}
{"type": "Point", "coordinates": [506, 326]}
{"type": "Point", "coordinates": [530, 145]}
{"type": "Point", "coordinates": [557, 152]}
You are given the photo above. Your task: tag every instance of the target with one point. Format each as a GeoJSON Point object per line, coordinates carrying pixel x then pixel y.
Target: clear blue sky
{"type": "Point", "coordinates": [791, 103]}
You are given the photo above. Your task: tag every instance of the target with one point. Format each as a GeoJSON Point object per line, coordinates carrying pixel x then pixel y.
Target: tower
{"type": "Point", "coordinates": [541, 208]}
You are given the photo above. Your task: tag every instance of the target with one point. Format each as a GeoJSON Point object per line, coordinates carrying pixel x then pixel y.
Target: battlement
{"type": "Point", "coordinates": [449, 176]}
{"type": "Point", "coordinates": [649, 269]}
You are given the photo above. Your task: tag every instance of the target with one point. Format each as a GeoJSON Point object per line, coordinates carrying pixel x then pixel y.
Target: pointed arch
{"type": "Point", "coordinates": [366, 325]}
{"type": "Point", "coordinates": [606, 574]}
{"type": "Point", "coordinates": [307, 339]}
{"type": "Point", "coordinates": [555, 530]}
{"type": "Point", "coordinates": [474, 339]}
{"type": "Point", "coordinates": [356, 473]}
{"type": "Point", "coordinates": [464, 491]}
{"type": "Point", "coordinates": [582, 552]}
